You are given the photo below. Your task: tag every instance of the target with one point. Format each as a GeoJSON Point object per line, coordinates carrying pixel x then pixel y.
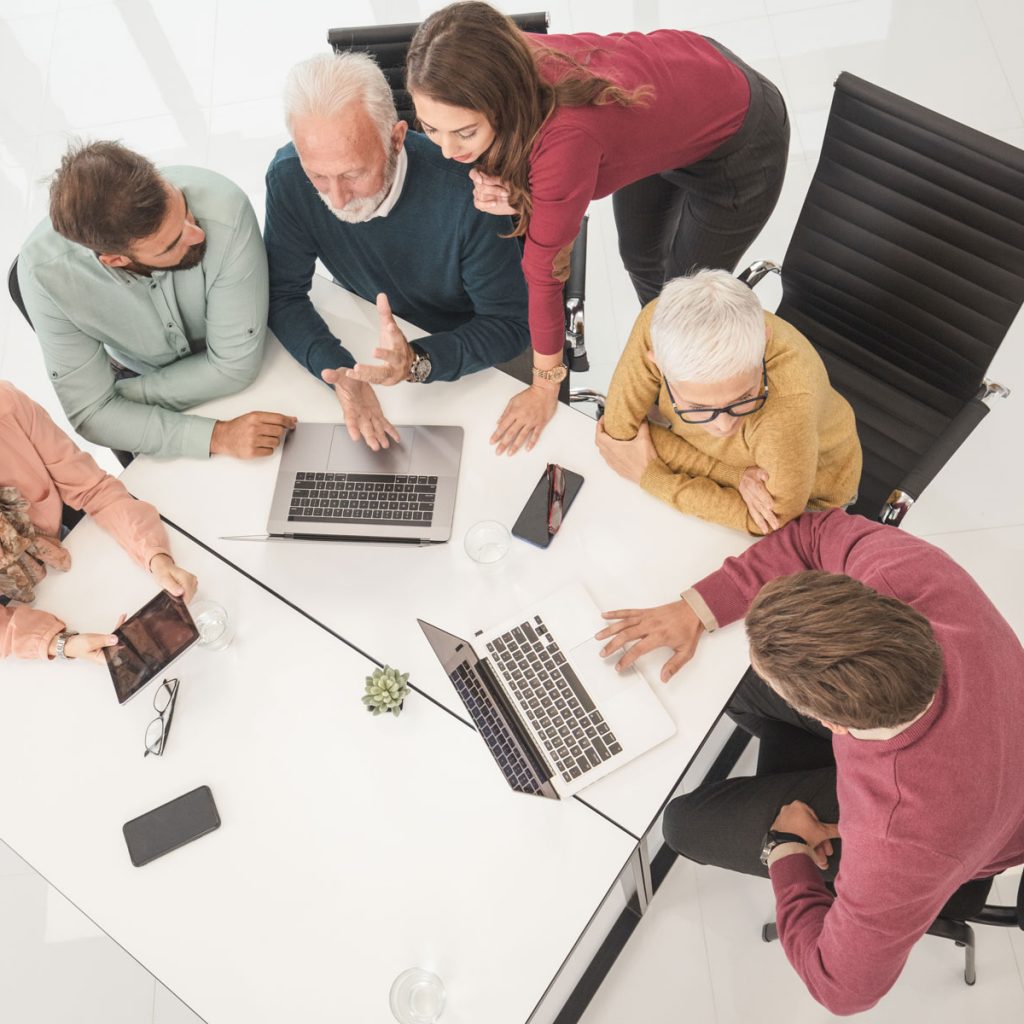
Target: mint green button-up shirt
{"type": "Point", "coordinates": [192, 335]}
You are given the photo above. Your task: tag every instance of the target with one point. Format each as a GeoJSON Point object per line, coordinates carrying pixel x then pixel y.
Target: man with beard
{"type": "Point", "coordinates": [148, 292]}
{"type": "Point", "coordinates": [392, 221]}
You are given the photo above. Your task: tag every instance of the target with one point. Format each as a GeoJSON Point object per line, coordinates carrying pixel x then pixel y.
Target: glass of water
{"type": "Point", "coordinates": [212, 622]}
{"type": "Point", "coordinates": [488, 542]}
{"type": "Point", "coordinates": [417, 997]}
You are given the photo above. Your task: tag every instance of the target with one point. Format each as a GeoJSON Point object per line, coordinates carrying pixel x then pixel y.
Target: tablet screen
{"type": "Point", "coordinates": [148, 642]}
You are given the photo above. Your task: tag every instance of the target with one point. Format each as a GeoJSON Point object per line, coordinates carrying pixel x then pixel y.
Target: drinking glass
{"type": "Point", "coordinates": [487, 542]}
{"type": "Point", "coordinates": [212, 622]}
{"type": "Point", "coordinates": [417, 997]}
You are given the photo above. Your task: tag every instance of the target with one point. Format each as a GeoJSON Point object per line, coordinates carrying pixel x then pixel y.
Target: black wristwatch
{"type": "Point", "coordinates": [420, 369]}
{"type": "Point", "coordinates": [773, 839]}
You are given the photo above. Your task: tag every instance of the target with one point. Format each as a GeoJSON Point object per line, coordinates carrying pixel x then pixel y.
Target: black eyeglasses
{"type": "Point", "coordinates": [556, 494]}
{"type": "Point", "coordinates": [160, 728]}
{"type": "Point", "coordinates": [744, 407]}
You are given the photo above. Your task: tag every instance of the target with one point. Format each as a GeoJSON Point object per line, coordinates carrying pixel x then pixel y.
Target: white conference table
{"type": "Point", "coordinates": [626, 547]}
{"type": "Point", "coordinates": [351, 847]}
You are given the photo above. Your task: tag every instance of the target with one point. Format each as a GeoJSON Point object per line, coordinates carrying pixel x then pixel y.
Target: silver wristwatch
{"type": "Point", "coordinates": [420, 369]}
{"type": "Point", "coordinates": [62, 642]}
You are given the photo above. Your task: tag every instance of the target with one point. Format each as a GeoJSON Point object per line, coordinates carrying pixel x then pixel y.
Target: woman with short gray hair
{"type": "Point", "coordinates": [746, 429]}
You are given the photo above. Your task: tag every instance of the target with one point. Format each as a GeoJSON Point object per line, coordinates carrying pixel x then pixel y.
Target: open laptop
{"type": "Point", "coordinates": [555, 715]}
{"type": "Point", "coordinates": [330, 487]}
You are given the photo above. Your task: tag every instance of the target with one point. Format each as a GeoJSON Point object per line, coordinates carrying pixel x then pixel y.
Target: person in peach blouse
{"type": "Point", "coordinates": [42, 470]}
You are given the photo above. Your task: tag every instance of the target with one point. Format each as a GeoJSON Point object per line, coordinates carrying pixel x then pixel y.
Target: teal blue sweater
{"type": "Point", "coordinates": [442, 264]}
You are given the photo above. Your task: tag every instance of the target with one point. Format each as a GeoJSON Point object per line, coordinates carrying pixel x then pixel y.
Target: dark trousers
{"type": "Point", "coordinates": [706, 215]}
{"type": "Point", "coordinates": [723, 823]}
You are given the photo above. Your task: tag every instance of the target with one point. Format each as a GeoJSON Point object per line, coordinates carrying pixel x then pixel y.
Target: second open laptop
{"type": "Point", "coordinates": [555, 715]}
{"type": "Point", "coordinates": [330, 487]}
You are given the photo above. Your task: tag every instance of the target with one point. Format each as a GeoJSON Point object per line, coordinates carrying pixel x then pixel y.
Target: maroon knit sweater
{"type": "Point", "coordinates": [699, 100]}
{"type": "Point", "coordinates": [924, 812]}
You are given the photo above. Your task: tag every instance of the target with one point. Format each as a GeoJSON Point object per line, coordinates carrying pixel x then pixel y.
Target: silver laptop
{"type": "Point", "coordinates": [330, 487]}
{"type": "Point", "coordinates": [555, 715]}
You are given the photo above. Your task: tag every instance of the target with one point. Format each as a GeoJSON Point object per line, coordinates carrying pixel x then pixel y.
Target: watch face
{"type": "Point", "coordinates": [421, 369]}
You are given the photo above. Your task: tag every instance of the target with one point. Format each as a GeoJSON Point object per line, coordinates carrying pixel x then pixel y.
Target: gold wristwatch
{"type": "Point", "coordinates": [555, 375]}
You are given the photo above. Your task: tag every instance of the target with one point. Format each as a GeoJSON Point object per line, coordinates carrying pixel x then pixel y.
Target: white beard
{"type": "Point", "coordinates": [359, 210]}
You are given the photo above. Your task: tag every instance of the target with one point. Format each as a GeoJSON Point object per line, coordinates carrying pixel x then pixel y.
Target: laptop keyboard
{"type": "Point", "coordinates": [551, 695]}
{"type": "Point", "coordinates": [496, 733]}
{"type": "Point", "coordinates": [363, 498]}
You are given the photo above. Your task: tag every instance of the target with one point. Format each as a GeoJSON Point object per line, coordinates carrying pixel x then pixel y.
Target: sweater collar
{"type": "Point", "coordinates": [913, 732]}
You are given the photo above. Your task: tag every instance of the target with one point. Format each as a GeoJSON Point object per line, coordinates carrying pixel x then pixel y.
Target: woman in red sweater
{"type": "Point", "coordinates": [691, 141]}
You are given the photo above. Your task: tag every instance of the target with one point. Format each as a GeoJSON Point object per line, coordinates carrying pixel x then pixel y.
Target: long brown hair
{"type": "Point", "coordinates": [842, 652]}
{"type": "Point", "coordinates": [470, 55]}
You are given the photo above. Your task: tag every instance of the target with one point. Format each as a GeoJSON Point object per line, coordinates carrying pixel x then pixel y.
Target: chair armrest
{"type": "Point", "coordinates": [941, 451]}
{"type": "Point", "coordinates": [757, 270]}
{"type": "Point", "coordinates": [579, 395]}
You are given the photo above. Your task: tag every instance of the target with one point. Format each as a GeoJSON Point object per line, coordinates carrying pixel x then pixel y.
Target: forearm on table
{"type": "Point", "coordinates": [475, 345]}
{"type": "Point", "coordinates": [697, 496]}
{"type": "Point", "coordinates": [146, 429]}
{"type": "Point", "coordinates": [303, 332]}
{"type": "Point", "coordinates": [193, 380]}
{"type": "Point", "coordinates": [26, 632]}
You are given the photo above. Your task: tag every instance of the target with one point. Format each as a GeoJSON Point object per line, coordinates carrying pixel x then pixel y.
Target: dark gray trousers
{"type": "Point", "coordinates": [706, 215]}
{"type": "Point", "coordinates": [723, 823]}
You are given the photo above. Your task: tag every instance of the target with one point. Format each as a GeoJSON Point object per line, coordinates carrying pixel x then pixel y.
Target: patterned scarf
{"type": "Point", "coordinates": [24, 554]}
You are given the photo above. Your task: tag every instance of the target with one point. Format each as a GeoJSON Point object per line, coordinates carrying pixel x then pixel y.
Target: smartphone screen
{"type": "Point", "coordinates": [532, 524]}
{"type": "Point", "coordinates": [171, 825]}
{"type": "Point", "coordinates": [148, 642]}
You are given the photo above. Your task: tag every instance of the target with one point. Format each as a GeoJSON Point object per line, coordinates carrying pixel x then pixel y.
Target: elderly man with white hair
{"type": "Point", "coordinates": [392, 221]}
{"type": "Point", "coordinates": [745, 429]}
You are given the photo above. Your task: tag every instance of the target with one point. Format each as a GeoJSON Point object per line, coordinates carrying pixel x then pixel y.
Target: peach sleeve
{"type": "Point", "coordinates": [134, 524]}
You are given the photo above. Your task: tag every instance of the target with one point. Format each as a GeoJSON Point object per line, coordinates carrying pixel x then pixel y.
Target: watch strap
{"type": "Point", "coordinates": [62, 641]}
{"type": "Point", "coordinates": [556, 374]}
{"type": "Point", "coordinates": [773, 838]}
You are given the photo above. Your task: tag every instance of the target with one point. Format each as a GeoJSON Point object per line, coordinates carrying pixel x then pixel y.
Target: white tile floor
{"type": "Point", "coordinates": [197, 81]}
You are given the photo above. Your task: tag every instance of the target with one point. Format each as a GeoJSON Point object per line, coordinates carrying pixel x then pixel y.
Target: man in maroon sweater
{"type": "Point", "coordinates": [882, 643]}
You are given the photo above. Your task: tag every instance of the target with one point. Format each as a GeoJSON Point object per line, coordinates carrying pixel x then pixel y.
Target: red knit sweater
{"type": "Point", "coordinates": [699, 100]}
{"type": "Point", "coordinates": [924, 812]}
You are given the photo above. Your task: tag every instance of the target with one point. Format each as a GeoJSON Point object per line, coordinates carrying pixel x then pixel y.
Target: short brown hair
{"type": "Point", "coordinates": [841, 652]}
{"type": "Point", "coordinates": [106, 197]}
{"type": "Point", "coordinates": [472, 56]}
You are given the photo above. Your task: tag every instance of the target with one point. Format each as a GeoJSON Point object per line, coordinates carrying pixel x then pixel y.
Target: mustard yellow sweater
{"type": "Point", "coordinates": [805, 435]}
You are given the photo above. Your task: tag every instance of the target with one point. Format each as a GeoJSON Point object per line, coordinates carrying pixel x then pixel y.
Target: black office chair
{"type": "Point", "coordinates": [71, 516]}
{"type": "Point", "coordinates": [388, 45]}
{"type": "Point", "coordinates": [15, 289]}
{"type": "Point", "coordinates": [905, 271]}
{"type": "Point", "coordinates": [965, 907]}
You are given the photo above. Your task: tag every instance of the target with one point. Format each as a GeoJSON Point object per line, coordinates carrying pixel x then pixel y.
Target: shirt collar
{"type": "Point", "coordinates": [395, 192]}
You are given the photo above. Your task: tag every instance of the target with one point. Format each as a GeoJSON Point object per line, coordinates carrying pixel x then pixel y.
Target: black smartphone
{"type": "Point", "coordinates": [147, 642]}
{"type": "Point", "coordinates": [532, 524]}
{"type": "Point", "coordinates": [171, 825]}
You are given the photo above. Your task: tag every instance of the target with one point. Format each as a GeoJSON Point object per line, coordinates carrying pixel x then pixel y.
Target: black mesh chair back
{"type": "Point", "coordinates": [15, 291]}
{"type": "Point", "coordinates": [905, 270]}
{"type": "Point", "coordinates": [388, 45]}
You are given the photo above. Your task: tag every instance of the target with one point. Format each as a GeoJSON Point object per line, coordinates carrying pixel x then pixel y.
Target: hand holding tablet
{"type": "Point", "coordinates": [147, 642]}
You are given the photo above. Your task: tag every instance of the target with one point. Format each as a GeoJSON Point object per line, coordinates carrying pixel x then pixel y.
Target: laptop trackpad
{"type": "Point", "coordinates": [348, 456]}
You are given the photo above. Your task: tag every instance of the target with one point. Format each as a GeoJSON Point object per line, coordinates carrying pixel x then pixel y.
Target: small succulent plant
{"type": "Point", "coordinates": [385, 690]}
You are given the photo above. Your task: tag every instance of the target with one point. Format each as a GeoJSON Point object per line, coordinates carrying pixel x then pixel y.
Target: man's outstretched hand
{"type": "Point", "coordinates": [394, 350]}
{"type": "Point", "coordinates": [674, 625]}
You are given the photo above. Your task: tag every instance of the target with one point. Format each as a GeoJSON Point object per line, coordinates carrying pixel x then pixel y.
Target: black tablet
{"type": "Point", "coordinates": [160, 631]}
